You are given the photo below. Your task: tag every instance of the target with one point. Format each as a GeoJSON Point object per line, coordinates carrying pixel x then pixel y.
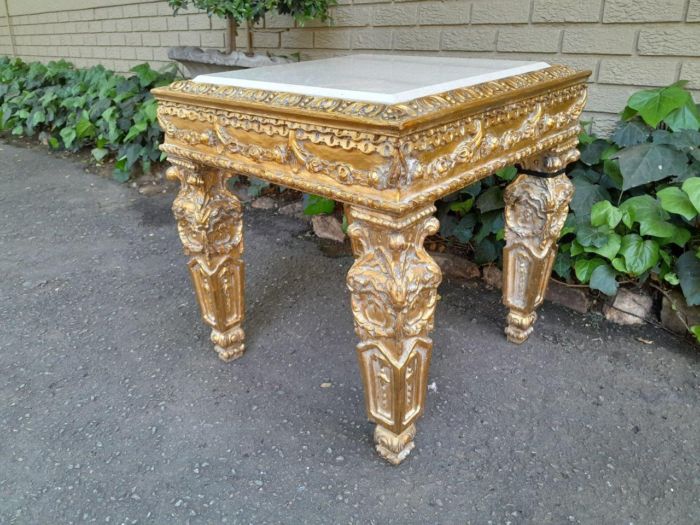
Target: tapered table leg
{"type": "Point", "coordinates": [393, 286]}
{"type": "Point", "coordinates": [536, 209]}
{"type": "Point", "coordinates": [210, 223]}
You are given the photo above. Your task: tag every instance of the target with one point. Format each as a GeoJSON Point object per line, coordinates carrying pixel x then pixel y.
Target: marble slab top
{"type": "Point", "coordinates": [382, 79]}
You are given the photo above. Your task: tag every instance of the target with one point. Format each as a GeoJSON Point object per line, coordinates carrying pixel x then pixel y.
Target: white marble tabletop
{"type": "Point", "coordinates": [383, 79]}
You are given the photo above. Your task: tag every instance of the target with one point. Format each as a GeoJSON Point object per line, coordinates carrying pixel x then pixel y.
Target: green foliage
{"type": "Point", "coordinates": [77, 108]}
{"type": "Point", "coordinates": [244, 11]}
{"type": "Point", "coordinates": [315, 205]}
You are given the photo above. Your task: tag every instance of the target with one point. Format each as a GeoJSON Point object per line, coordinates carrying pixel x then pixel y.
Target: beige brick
{"type": "Point", "coordinates": [469, 39]}
{"type": "Point", "coordinates": [130, 11]}
{"type": "Point", "coordinates": [332, 39]}
{"type": "Point", "coordinates": [395, 15]}
{"type": "Point", "coordinates": [169, 39]}
{"type": "Point", "coordinates": [144, 53]}
{"type": "Point", "coordinates": [638, 71]}
{"type": "Point", "coordinates": [108, 26]}
{"type": "Point", "coordinates": [608, 99]}
{"type": "Point", "coordinates": [176, 23]}
{"type": "Point", "coordinates": [372, 39]}
{"type": "Point", "coordinates": [693, 11]}
{"type": "Point", "coordinates": [266, 39]}
{"type": "Point", "coordinates": [297, 39]}
{"type": "Point", "coordinates": [501, 11]}
{"type": "Point", "coordinates": [599, 40]}
{"type": "Point", "coordinates": [444, 13]}
{"type": "Point", "coordinates": [566, 10]}
{"type": "Point", "coordinates": [676, 41]}
{"type": "Point", "coordinates": [351, 16]}
{"type": "Point", "coordinates": [157, 24]}
{"type": "Point", "coordinates": [277, 21]}
{"type": "Point", "coordinates": [132, 39]}
{"type": "Point", "coordinates": [602, 124]}
{"type": "Point", "coordinates": [581, 63]}
{"type": "Point", "coordinates": [150, 9]}
{"type": "Point", "coordinates": [189, 38]}
{"type": "Point", "coordinates": [198, 22]}
{"type": "Point", "coordinates": [213, 39]}
{"type": "Point", "coordinates": [691, 72]}
{"type": "Point", "coordinates": [116, 39]}
{"type": "Point", "coordinates": [139, 24]}
{"type": "Point", "coordinates": [128, 53]}
{"type": "Point", "coordinates": [527, 40]}
{"type": "Point", "coordinates": [624, 11]}
{"type": "Point", "coordinates": [417, 39]}
{"type": "Point", "coordinates": [150, 39]}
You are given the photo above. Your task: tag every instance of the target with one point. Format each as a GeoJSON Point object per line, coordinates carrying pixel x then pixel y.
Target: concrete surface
{"type": "Point", "coordinates": [115, 409]}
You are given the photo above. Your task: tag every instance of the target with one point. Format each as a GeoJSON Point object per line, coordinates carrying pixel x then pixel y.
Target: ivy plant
{"type": "Point", "coordinates": [75, 108]}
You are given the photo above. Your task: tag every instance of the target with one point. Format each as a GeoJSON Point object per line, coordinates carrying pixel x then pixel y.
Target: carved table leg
{"type": "Point", "coordinates": [210, 223]}
{"type": "Point", "coordinates": [536, 209]}
{"type": "Point", "coordinates": [393, 286]}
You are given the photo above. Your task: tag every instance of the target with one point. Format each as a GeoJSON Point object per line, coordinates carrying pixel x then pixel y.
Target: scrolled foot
{"type": "Point", "coordinates": [392, 447]}
{"type": "Point", "coordinates": [229, 345]}
{"type": "Point", "coordinates": [519, 326]}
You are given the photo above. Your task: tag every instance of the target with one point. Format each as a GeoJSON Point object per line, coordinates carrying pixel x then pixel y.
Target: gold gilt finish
{"type": "Point", "coordinates": [388, 164]}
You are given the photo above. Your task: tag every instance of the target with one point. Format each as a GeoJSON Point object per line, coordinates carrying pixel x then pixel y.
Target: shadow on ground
{"type": "Point", "coordinates": [115, 409]}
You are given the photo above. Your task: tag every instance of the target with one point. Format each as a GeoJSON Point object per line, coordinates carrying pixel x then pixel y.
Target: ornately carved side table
{"type": "Point", "coordinates": [387, 136]}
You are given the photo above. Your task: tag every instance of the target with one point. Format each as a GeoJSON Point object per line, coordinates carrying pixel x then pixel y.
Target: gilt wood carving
{"type": "Point", "coordinates": [388, 163]}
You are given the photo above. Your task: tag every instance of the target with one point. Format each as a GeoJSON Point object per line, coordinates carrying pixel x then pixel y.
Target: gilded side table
{"type": "Point", "coordinates": [387, 136]}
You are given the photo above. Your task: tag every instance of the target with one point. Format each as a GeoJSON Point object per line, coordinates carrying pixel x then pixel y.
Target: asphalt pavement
{"type": "Point", "coordinates": [115, 409]}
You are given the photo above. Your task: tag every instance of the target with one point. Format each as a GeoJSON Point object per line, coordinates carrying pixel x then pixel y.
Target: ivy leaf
{"type": "Point", "coordinates": [584, 268]}
{"type": "Point", "coordinates": [648, 163]}
{"type": "Point", "coordinates": [610, 249]}
{"type": "Point", "coordinates": [485, 252]}
{"type": "Point", "coordinates": [68, 135]}
{"type": "Point", "coordinates": [588, 236]}
{"type": "Point", "coordinates": [603, 279]}
{"type": "Point", "coordinates": [640, 255]}
{"type": "Point", "coordinates": [316, 205]}
{"type": "Point", "coordinates": [562, 265]}
{"type": "Point", "coordinates": [586, 195]}
{"type": "Point", "coordinates": [491, 222]}
{"type": "Point", "coordinates": [464, 230]}
{"type": "Point", "coordinates": [695, 330]}
{"type": "Point", "coordinates": [507, 174]}
{"type": "Point", "coordinates": [99, 153]}
{"type": "Point", "coordinates": [653, 105]}
{"type": "Point", "coordinates": [691, 187]}
{"type": "Point", "coordinates": [675, 200]}
{"type": "Point", "coordinates": [688, 271]}
{"type": "Point", "coordinates": [619, 264]}
{"type": "Point", "coordinates": [604, 212]}
{"type": "Point", "coordinates": [630, 134]}
{"type": "Point", "coordinates": [491, 199]}
{"type": "Point", "coordinates": [686, 117]}
{"type": "Point", "coordinates": [685, 140]}
{"type": "Point", "coordinates": [591, 154]}
{"type": "Point", "coordinates": [462, 207]}
{"type": "Point", "coordinates": [643, 208]}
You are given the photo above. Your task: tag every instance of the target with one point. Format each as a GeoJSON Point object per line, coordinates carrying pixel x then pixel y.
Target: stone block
{"type": "Point", "coordinates": [599, 41]}
{"type": "Point", "coordinates": [527, 40]}
{"type": "Point", "coordinates": [395, 15]}
{"type": "Point", "coordinates": [371, 39]}
{"type": "Point", "coordinates": [417, 39]}
{"type": "Point", "coordinates": [501, 12]}
{"type": "Point", "coordinates": [332, 39]}
{"type": "Point", "coordinates": [492, 276]}
{"type": "Point", "coordinates": [456, 267]}
{"type": "Point", "coordinates": [351, 16]}
{"type": "Point", "coordinates": [328, 227]}
{"type": "Point", "coordinates": [469, 39]}
{"type": "Point", "coordinates": [629, 308]}
{"type": "Point", "coordinates": [566, 11]}
{"type": "Point", "coordinates": [626, 11]}
{"type": "Point", "coordinates": [297, 39]}
{"type": "Point", "coordinates": [638, 72]}
{"type": "Point", "coordinates": [690, 71]}
{"type": "Point", "coordinates": [576, 299]}
{"type": "Point", "coordinates": [443, 13]}
{"type": "Point", "coordinates": [676, 314]}
{"type": "Point", "coordinates": [684, 41]}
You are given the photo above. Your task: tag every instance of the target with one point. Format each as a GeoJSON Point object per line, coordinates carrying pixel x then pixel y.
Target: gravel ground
{"type": "Point", "coordinates": [115, 409]}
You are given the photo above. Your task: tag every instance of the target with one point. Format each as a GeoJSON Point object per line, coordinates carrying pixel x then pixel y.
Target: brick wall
{"type": "Point", "coordinates": [627, 44]}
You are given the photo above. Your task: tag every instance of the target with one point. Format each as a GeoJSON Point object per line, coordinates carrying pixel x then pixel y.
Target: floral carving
{"type": "Point", "coordinates": [393, 286]}
{"type": "Point", "coordinates": [536, 209]}
{"type": "Point", "coordinates": [209, 221]}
